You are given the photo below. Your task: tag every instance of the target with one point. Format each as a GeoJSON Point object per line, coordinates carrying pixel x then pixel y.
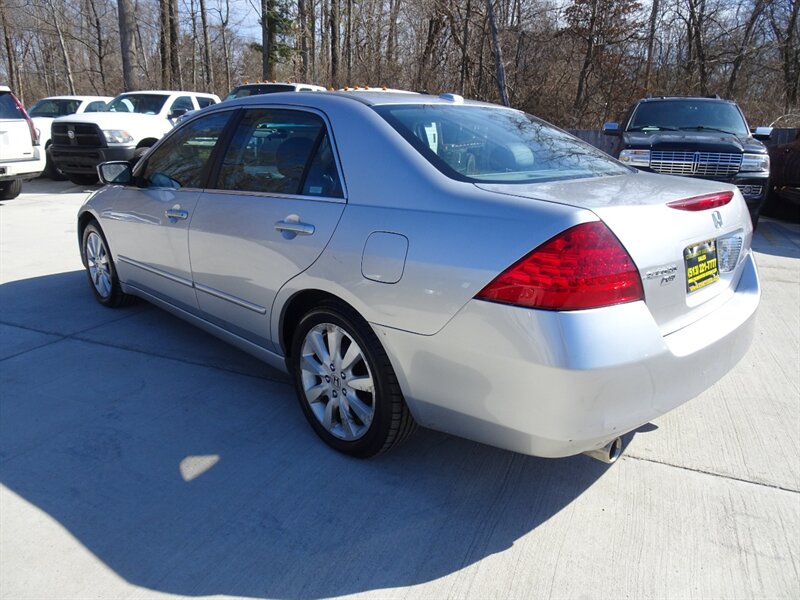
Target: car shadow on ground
{"type": "Point", "coordinates": [196, 480]}
{"type": "Point", "coordinates": [777, 238]}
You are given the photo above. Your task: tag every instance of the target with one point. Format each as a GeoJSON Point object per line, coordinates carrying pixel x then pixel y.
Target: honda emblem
{"type": "Point", "coordinates": [716, 216]}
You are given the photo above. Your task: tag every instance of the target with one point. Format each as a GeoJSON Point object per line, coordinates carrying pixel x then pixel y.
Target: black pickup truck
{"type": "Point", "coordinates": [705, 137]}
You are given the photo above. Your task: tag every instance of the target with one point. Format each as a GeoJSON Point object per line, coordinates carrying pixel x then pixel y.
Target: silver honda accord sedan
{"type": "Point", "coordinates": [413, 259]}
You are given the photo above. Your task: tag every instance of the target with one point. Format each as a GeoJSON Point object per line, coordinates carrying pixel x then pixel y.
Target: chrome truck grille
{"type": "Point", "coordinates": [701, 164]}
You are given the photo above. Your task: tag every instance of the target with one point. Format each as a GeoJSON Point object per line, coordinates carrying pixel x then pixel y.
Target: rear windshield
{"type": "Point", "coordinates": [495, 145]}
{"type": "Point", "coordinates": [54, 108]}
{"type": "Point", "coordinates": [145, 104]}
{"type": "Point", "coordinates": [9, 108]}
{"type": "Point", "coordinates": [255, 90]}
{"type": "Point", "coordinates": [688, 115]}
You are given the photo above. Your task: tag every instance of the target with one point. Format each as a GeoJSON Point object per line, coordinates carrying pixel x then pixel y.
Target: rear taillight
{"type": "Point", "coordinates": [34, 133]}
{"type": "Point", "coordinates": [703, 202]}
{"type": "Point", "coordinates": [585, 266]}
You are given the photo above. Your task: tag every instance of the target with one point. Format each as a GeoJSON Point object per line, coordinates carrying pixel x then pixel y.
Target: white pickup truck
{"type": "Point", "coordinates": [124, 130]}
{"type": "Point", "coordinates": [21, 156]}
{"type": "Point", "coordinates": [43, 112]}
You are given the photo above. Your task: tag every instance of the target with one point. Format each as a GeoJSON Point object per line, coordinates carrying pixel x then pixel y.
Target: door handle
{"type": "Point", "coordinates": [174, 213]}
{"type": "Point", "coordinates": [291, 227]}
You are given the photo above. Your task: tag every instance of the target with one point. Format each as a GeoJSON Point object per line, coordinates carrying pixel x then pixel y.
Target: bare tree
{"type": "Point", "coordinates": [500, 69]}
{"type": "Point", "coordinates": [126, 41]}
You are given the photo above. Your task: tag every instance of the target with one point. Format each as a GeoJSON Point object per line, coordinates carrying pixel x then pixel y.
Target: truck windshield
{"type": "Point", "coordinates": [688, 115]}
{"type": "Point", "coordinates": [145, 104]}
{"type": "Point", "coordinates": [256, 90]}
{"type": "Point", "coordinates": [484, 144]}
{"type": "Point", "coordinates": [54, 107]}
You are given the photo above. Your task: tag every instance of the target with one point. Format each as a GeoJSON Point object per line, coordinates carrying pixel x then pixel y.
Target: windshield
{"type": "Point", "coordinates": [688, 115]}
{"type": "Point", "coordinates": [145, 104]}
{"type": "Point", "coordinates": [255, 90]}
{"type": "Point", "coordinates": [51, 107]}
{"type": "Point", "coordinates": [484, 144]}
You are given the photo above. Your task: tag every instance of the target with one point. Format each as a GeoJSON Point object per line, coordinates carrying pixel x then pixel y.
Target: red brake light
{"type": "Point", "coordinates": [34, 135]}
{"type": "Point", "coordinates": [585, 266]}
{"type": "Point", "coordinates": [703, 202]}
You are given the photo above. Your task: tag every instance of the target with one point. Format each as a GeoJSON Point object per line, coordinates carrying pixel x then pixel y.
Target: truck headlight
{"type": "Point", "coordinates": [117, 136]}
{"type": "Point", "coordinates": [755, 162]}
{"type": "Point", "coordinates": [635, 158]}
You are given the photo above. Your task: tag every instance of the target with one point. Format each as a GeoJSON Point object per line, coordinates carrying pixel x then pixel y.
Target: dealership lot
{"type": "Point", "coordinates": [140, 457]}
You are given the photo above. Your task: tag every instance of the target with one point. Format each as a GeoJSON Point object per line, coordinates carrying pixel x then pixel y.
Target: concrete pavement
{"type": "Point", "coordinates": [141, 458]}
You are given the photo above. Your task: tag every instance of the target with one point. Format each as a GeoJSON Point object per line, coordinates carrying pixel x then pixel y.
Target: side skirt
{"type": "Point", "coordinates": [274, 360]}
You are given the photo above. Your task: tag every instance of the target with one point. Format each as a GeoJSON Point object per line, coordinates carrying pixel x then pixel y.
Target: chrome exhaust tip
{"type": "Point", "coordinates": [608, 453]}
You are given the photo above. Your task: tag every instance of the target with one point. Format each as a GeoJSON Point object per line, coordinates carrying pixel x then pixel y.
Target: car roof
{"type": "Point", "coordinates": [362, 97]}
{"type": "Point", "coordinates": [77, 98]}
{"type": "Point", "coordinates": [165, 92]}
{"type": "Point", "coordinates": [693, 98]}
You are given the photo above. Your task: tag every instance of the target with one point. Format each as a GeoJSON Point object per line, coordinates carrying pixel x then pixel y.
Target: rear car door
{"type": "Point", "coordinates": [148, 227]}
{"type": "Point", "coordinates": [277, 200]}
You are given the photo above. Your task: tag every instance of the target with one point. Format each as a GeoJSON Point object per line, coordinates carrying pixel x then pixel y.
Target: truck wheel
{"type": "Point", "coordinates": [82, 179]}
{"type": "Point", "coordinates": [10, 189]}
{"type": "Point", "coordinates": [51, 171]}
{"type": "Point", "coordinates": [139, 153]}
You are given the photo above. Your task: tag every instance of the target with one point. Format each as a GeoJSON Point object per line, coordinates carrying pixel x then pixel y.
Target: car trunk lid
{"type": "Point", "coordinates": [689, 261]}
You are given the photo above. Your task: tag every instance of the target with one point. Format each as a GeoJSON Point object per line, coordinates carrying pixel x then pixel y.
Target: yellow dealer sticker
{"type": "Point", "coordinates": [701, 265]}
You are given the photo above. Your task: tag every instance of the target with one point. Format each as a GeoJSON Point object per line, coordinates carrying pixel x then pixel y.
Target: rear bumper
{"type": "Point", "coordinates": [23, 169]}
{"type": "Point", "coordinates": [556, 384]}
{"type": "Point", "coordinates": [84, 160]}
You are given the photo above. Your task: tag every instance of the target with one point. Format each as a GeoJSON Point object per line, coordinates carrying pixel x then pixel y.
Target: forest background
{"type": "Point", "coordinates": [576, 63]}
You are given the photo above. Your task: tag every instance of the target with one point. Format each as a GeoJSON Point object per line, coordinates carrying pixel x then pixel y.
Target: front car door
{"type": "Point", "coordinates": [277, 200]}
{"type": "Point", "coordinates": [149, 222]}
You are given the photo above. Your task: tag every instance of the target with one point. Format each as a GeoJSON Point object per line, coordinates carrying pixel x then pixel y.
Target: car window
{"type": "Point", "coordinates": [182, 103]}
{"type": "Point", "coordinates": [9, 108]}
{"type": "Point", "coordinates": [323, 178]}
{"type": "Point", "coordinates": [96, 106]}
{"type": "Point", "coordinates": [486, 144]}
{"type": "Point", "coordinates": [180, 162]}
{"type": "Point", "coordinates": [146, 104]}
{"type": "Point", "coordinates": [203, 101]}
{"type": "Point", "coordinates": [270, 151]}
{"type": "Point", "coordinates": [54, 108]}
{"type": "Point", "coordinates": [655, 115]}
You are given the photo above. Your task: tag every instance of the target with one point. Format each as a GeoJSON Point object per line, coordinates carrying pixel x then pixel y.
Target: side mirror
{"type": "Point", "coordinates": [177, 113]}
{"type": "Point", "coordinates": [115, 172]}
{"type": "Point", "coordinates": [612, 129]}
{"type": "Point", "coordinates": [762, 133]}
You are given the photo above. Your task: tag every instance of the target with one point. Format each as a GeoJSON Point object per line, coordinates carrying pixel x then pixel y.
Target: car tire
{"type": "Point", "coordinates": [332, 348]}
{"type": "Point", "coordinates": [10, 189]}
{"type": "Point", "coordinates": [100, 269]}
{"type": "Point", "coordinates": [139, 153]}
{"type": "Point", "coordinates": [82, 179]}
{"type": "Point", "coordinates": [51, 171]}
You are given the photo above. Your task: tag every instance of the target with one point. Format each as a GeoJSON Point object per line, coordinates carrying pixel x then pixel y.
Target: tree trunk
{"type": "Point", "coordinates": [302, 34]}
{"type": "Point", "coordinates": [63, 46]}
{"type": "Point", "coordinates": [465, 50]}
{"type": "Point", "coordinates": [126, 42]}
{"type": "Point", "coordinates": [226, 54]}
{"type": "Point", "coordinates": [164, 45]}
{"type": "Point", "coordinates": [267, 37]}
{"type": "Point", "coordinates": [208, 67]}
{"type": "Point", "coordinates": [651, 38]}
{"type": "Point", "coordinates": [334, 24]}
{"type": "Point", "coordinates": [500, 69]}
{"type": "Point", "coordinates": [98, 31]}
{"type": "Point", "coordinates": [174, 46]}
{"type": "Point", "coordinates": [588, 59]}
{"type": "Point", "coordinates": [10, 51]}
